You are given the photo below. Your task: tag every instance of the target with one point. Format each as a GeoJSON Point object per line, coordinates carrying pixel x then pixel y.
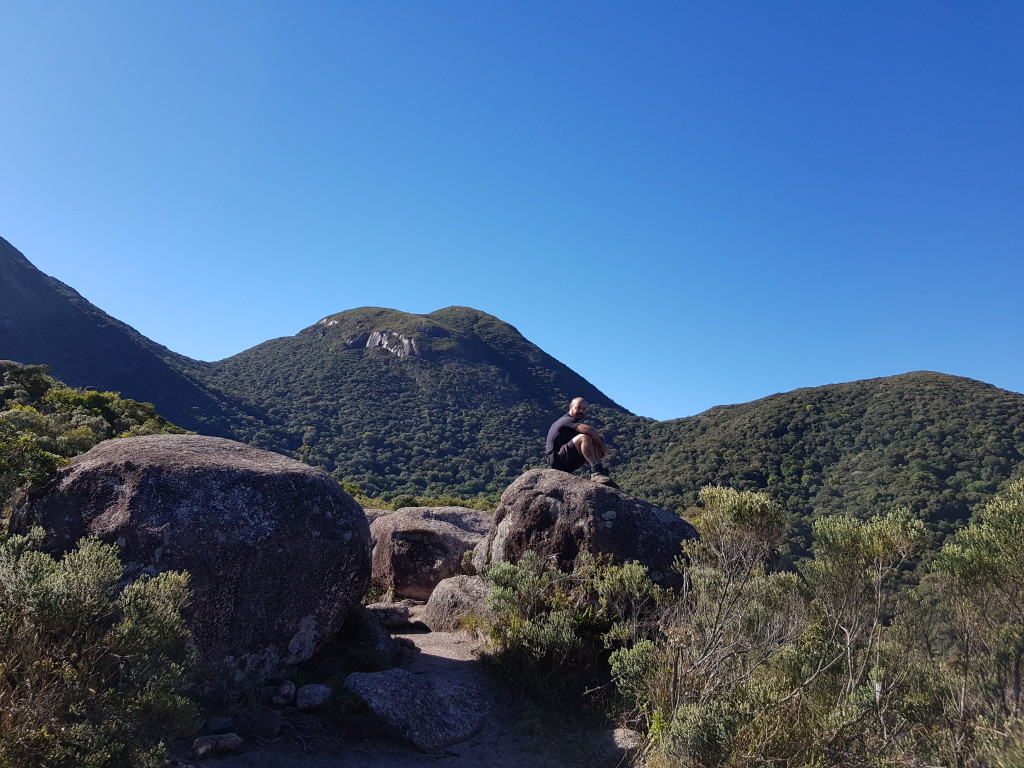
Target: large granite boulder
{"type": "Point", "coordinates": [559, 516]}
{"type": "Point", "coordinates": [429, 713]}
{"type": "Point", "coordinates": [455, 599]}
{"type": "Point", "coordinates": [279, 554]}
{"type": "Point", "coordinates": [414, 548]}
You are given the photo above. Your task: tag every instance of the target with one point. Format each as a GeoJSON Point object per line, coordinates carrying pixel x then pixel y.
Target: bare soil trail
{"type": "Point", "coordinates": [309, 742]}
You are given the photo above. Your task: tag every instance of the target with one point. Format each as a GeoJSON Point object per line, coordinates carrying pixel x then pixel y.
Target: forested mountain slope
{"type": "Point", "coordinates": [935, 443]}
{"type": "Point", "coordinates": [44, 321]}
{"type": "Point", "coordinates": [456, 401]}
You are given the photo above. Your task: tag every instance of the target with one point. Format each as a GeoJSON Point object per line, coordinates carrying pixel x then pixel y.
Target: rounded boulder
{"type": "Point", "coordinates": [559, 516]}
{"type": "Point", "coordinates": [277, 552]}
{"type": "Point", "coordinates": [414, 548]}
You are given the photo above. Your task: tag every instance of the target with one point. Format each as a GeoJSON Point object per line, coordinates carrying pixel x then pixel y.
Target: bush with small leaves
{"type": "Point", "coordinates": [92, 673]}
{"type": "Point", "coordinates": [553, 633]}
{"type": "Point", "coordinates": [43, 423]}
{"type": "Point", "coordinates": [22, 462]}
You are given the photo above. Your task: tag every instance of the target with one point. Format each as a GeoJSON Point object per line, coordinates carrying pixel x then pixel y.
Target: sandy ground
{"type": "Point", "coordinates": [309, 743]}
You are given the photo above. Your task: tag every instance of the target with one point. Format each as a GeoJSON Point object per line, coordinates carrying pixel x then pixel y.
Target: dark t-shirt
{"type": "Point", "coordinates": [561, 432]}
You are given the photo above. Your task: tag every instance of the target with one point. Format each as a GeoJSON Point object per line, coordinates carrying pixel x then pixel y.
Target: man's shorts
{"type": "Point", "coordinates": [567, 458]}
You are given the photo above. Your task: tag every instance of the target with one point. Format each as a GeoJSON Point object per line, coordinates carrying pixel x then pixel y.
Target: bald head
{"type": "Point", "coordinates": [578, 407]}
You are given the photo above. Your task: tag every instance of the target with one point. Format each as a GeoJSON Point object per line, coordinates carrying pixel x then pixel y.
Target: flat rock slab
{"type": "Point", "coordinates": [430, 714]}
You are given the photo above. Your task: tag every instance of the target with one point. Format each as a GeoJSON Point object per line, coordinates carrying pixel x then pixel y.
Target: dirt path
{"type": "Point", "coordinates": [305, 743]}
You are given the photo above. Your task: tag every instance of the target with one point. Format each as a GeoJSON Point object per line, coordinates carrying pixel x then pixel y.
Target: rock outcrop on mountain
{"type": "Point", "coordinates": [414, 548]}
{"type": "Point", "coordinates": [277, 552]}
{"type": "Point", "coordinates": [559, 516]}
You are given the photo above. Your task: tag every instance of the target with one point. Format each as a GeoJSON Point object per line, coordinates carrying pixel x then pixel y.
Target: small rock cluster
{"type": "Point", "coordinates": [223, 735]}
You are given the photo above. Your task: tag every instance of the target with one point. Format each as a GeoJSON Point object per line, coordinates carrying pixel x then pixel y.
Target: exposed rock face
{"type": "Point", "coordinates": [559, 515]}
{"type": "Point", "coordinates": [453, 600]}
{"type": "Point", "coordinates": [278, 553]}
{"type": "Point", "coordinates": [363, 330]}
{"type": "Point", "coordinates": [430, 714]}
{"type": "Point", "coordinates": [396, 343]}
{"type": "Point", "coordinates": [414, 548]}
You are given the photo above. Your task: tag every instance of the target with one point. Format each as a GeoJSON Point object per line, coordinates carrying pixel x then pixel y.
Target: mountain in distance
{"type": "Point", "coordinates": [458, 402]}
{"type": "Point", "coordinates": [455, 401]}
{"type": "Point", "coordinates": [44, 321]}
{"type": "Point", "coordinates": [937, 444]}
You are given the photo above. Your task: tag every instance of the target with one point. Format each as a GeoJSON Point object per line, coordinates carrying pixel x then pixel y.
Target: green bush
{"type": "Point", "coordinates": [846, 664]}
{"type": "Point", "coordinates": [91, 673]}
{"type": "Point", "coordinates": [553, 634]}
{"type": "Point", "coordinates": [850, 666]}
{"type": "Point", "coordinates": [22, 462]}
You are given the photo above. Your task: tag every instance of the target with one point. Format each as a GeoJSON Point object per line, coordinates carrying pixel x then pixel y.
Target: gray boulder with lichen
{"type": "Point", "coordinates": [414, 548]}
{"type": "Point", "coordinates": [429, 713]}
{"type": "Point", "coordinates": [559, 516]}
{"type": "Point", "coordinates": [277, 552]}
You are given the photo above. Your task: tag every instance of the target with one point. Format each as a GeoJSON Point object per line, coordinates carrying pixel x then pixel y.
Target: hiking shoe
{"type": "Point", "coordinates": [600, 475]}
{"type": "Point", "coordinates": [606, 481]}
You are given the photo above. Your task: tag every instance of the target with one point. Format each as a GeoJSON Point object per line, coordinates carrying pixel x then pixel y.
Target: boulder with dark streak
{"type": "Point", "coordinates": [277, 552]}
{"type": "Point", "coordinates": [414, 548]}
{"type": "Point", "coordinates": [558, 516]}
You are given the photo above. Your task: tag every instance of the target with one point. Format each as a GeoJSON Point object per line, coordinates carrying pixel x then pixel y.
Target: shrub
{"type": "Point", "coordinates": [91, 673]}
{"type": "Point", "coordinates": [44, 423]}
{"type": "Point", "coordinates": [845, 664]}
{"type": "Point", "coordinates": [553, 634]}
{"type": "Point", "coordinates": [22, 461]}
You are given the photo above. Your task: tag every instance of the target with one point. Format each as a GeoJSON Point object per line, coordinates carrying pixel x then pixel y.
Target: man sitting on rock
{"type": "Point", "coordinates": [571, 444]}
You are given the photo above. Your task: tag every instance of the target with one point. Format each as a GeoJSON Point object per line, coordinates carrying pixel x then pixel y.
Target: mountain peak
{"type": "Point", "coordinates": [401, 333]}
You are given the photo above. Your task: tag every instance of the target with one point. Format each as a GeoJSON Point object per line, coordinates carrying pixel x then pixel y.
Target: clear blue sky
{"type": "Point", "coordinates": [688, 203]}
